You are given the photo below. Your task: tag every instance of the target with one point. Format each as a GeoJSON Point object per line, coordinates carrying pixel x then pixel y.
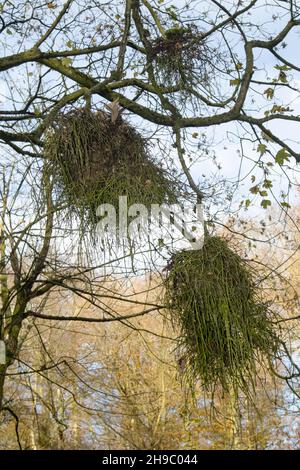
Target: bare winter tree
{"type": "Point", "coordinates": [195, 77]}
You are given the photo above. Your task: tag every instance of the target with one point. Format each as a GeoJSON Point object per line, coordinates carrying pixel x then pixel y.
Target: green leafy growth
{"type": "Point", "coordinates": [282, 77]}
{"type": "Point", "coordinates": [235, 82]}
{"type": "Point", "coordinates": [265, 203]}
{"type": "Point", "coordinates": [282, 156]}
{"type": "Point", "coordinates": [269, 92]}
{"type": "Point", "coordinates": [254, 189]}
{"type": "Point", "coordinates": [172, 12]}
{"type": "Point", "coordinates": [94, 161]}
{"type": "Point", "coordinates": [224, 326]}
{"type": "Point", "coordinates": [262, 148]}
{"type": "Point", "coordinates": [282, 67]}
{"type": "Point", "coordinates": [267, 184]}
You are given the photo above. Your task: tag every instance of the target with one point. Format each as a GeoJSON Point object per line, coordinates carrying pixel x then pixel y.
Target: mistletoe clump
{"type": "Point", "coordinates": [181, 56]}
{"type": "Point", "coordinates": [94, 159]}
{"type": "Point", "coordinates": [225, 327]}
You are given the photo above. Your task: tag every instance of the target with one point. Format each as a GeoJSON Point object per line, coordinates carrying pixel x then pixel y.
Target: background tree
{"type": "Point", "coordinates": [231, 81]}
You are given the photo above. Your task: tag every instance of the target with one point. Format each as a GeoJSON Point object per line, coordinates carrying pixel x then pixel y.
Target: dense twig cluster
{"type": "Point", "coordinates": [181, 53]}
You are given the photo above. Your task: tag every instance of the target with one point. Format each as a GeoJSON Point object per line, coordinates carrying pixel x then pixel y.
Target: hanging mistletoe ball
{"type": "Point", "coordinates": [225, 328]}
{"type": "Point", "coordinates": [181, 56]}
{"type": "Point", "coordinates": [94, 159]}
